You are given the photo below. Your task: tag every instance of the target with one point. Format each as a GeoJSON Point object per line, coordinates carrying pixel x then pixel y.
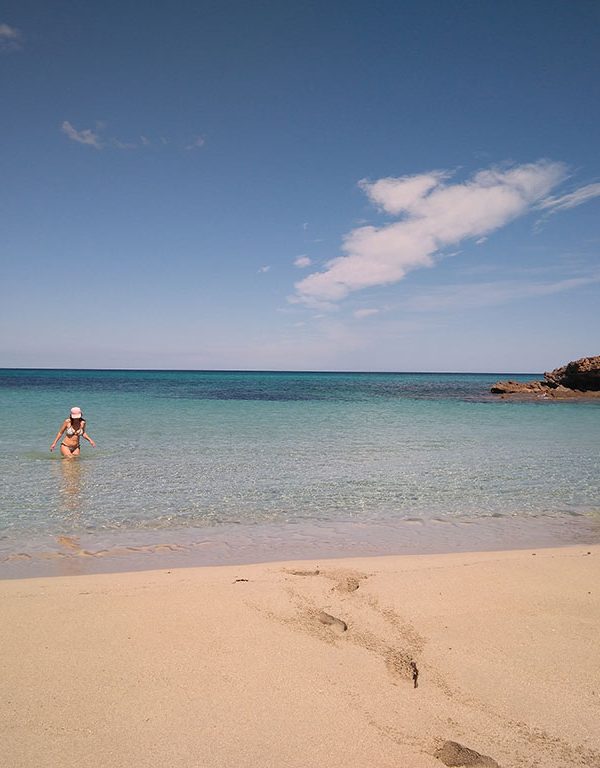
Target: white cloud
{"type": "Point", "coordinates": [145, 141]}
{"type": "Point", "coordinates": [86, 136]}
{"type": "Point", "coordinates": [360, 313]}
{"type": "Point", "coordinates": [10, 38]}
{"type": "Point", "coordinates": [302, 261]}
{"type": "Point", "coordinates": [197, 143]}
{"type": "Point", "coordinates": [435, 215]}
{"type": "Point", "coordinates": [264, 268]}
{"type": "Point", "coordinates": [399, 195]}
{"type": "Point", "coordinates": [472, 295]}
{"type": "Point", "coordinates": [571, 200]}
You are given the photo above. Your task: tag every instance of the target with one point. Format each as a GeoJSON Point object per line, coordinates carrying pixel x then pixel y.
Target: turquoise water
{"type": "Point", "coordinates": [182, 451]}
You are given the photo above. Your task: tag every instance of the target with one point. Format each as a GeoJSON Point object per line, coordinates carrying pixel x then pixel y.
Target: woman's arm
{"type": "Point", "coordinates": [58, 436]}
{"type": "Point", "coordinates": [87, 437]}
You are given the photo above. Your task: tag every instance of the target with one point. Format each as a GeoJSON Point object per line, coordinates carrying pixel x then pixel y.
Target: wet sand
{"type": "Point", "coordinates": [234, 544]}
{"type": "Point", "coordinates": [307, 663]}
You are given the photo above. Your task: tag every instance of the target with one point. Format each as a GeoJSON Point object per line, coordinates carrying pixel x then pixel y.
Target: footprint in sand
{"type": "Point", "coordinates": [454, 755]}
{"type": "Point", "coordinates": [336, 624]}
{"type": "Point", "coordinates": [347, 584]}
{"type": "Point", "coordinates": [399, 662]}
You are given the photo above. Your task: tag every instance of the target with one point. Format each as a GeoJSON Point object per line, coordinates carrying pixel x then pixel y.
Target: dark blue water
{"type": "Point", "coordinates": [261, 385]}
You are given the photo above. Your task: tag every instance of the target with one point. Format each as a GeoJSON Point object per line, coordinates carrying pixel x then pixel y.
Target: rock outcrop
{"type": "Point", "coordinates": [580, 378]}
{"type": "Point", "coordinates": [519, 388]}
{"type": "Point", "coordinates": [583, 375]}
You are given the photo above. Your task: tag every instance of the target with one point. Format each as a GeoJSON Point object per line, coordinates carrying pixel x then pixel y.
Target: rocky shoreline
{"type": "Point", "coordinates": [579, 379]}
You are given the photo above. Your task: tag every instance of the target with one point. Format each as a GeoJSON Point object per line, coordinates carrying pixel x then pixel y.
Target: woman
{"type": "Point", "coordinates": [73, 429]}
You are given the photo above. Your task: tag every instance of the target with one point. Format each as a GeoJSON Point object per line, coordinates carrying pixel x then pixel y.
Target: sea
{"type": "Point", "coordinates": [211, 467]}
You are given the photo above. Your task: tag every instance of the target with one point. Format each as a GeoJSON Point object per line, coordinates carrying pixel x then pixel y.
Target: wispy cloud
{"type": "Point", "coordinates": [472, 295]}
{"type": "Point", "coordinates": [99, 138]}
{"type": "Point", "coordinates": [198, 142]}
{"type": "Point", "coordinates": [572, 199]}
{"type": "Point", "coordinates": [11, 38]}
{"type": "Point", "coordinates": [264, 268]}
{"type": "Point", "coordinates": [94, 138]}
{"type": "Point", "coordinates": [302, 261]}
{"type": "Point", "coordinates": [86, 136]}
{"type": "Point", "coordinates": [433, 215]}
{"type": "Point", "coordinates": [123, 144]}
{"type": "Point", "coordinates": [360, 313]}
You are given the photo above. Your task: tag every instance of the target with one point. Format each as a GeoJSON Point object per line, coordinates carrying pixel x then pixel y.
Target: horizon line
{"type": "Point", "coordinates": [272, 370]}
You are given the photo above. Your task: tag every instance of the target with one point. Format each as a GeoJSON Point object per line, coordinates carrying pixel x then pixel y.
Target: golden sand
{"type": "Point", "coordinates": [372, 663]}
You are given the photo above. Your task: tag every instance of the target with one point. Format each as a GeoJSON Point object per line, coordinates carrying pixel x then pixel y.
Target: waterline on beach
{"type": "Point", "coordinates": [231, 544]}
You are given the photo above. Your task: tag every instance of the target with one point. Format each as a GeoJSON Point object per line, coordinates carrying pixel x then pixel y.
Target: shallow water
{"type": "Point", "coordinates": [182, 452]}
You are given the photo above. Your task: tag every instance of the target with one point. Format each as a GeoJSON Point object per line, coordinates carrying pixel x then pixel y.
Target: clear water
{"type": "Point", "coordinates": [182, 451]}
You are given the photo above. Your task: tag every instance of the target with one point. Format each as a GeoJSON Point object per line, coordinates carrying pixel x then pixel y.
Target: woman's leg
{"type": "Point", "coordinates": [68, 453]}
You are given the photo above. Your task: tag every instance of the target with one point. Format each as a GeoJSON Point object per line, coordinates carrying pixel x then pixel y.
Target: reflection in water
{"type": "Point", "coordinates": [71, 473]}
{"type": "Point", "coordinates": [70, 490]}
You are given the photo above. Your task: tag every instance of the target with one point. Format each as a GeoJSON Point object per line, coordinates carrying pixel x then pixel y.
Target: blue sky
{"type": "Point", "coordinates": [338, 186]}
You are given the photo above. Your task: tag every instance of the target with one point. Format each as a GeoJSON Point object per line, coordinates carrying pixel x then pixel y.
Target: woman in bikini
{"type": "Point", "coordinates": [73, 429]}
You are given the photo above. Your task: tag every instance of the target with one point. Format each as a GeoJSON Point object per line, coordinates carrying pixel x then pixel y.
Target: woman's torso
{"type": "Point", "coordinates": [73, 432]}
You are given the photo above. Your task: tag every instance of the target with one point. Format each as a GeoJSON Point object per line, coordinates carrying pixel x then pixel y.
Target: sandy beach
{"type": "Point", "coordinates": [246, 665]}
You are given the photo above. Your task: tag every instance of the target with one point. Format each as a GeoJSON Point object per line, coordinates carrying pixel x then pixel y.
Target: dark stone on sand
{"type": "Point", "coordinates": [579, 378]}
{"type": "Point", "coordinates": [415, 674]}
{"type": "Point", "coordinates": [454, 755]}
{"type": "Point", "coordinates": [332, 622]}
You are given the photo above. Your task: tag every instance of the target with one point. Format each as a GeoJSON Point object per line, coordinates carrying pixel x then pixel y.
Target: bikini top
{"type": "Point", "coordinates": [71, 431]}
